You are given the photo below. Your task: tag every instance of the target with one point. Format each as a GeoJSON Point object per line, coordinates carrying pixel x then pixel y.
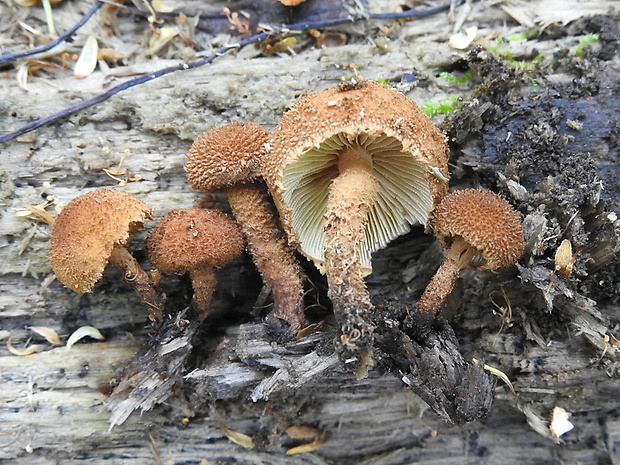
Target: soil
{"type": "Point", "coordinates": [536, 121]}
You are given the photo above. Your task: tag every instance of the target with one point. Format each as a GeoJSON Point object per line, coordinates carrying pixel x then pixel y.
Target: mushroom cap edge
{"type": "Point", "coordinates": [87, 229]}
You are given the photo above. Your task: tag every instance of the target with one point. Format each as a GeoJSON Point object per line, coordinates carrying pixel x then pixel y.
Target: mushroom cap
{"type": "Point", "coordinates": [87, 230]}
{"type": "Point", "coordinates": [194, 238]}
{"type": "Point", "coordinates": [409, 157]}
{"type": "Point", "coordinates": [226, 155]}
{"type": "Point", "coordinates": [486, 221]}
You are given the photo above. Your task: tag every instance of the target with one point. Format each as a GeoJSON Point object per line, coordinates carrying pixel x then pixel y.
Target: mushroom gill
{"type": "Point", "coordinates": [403, 196]}
{"type": "Point", "coordinates": [350, 168]}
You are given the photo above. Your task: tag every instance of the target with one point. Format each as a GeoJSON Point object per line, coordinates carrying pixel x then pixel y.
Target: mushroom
{"type": "Point", "coordinates": [195, 241]}
{"type": "Point", "coordinates": [481, 231]}
{"type": "Point", "coordinates": [350, 168]}
{"type": "Point", "coordinates": [231, 158]}
{"type": "Point", "coordinates": [92, 231]}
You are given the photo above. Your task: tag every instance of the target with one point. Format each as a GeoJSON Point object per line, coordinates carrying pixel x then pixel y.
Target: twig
{"type": "Point", "coordinates": [300, 27]}
{"type": "Point", "coordinates": [6, 57]}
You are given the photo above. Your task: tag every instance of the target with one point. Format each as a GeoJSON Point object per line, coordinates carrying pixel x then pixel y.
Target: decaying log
{"type": "Point", "coordinates": [545, 138]}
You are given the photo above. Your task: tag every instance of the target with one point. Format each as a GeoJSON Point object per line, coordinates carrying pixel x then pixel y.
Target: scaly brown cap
{"type": "Point", "coordinates": [194, 238]}
{"type": "Point", "coordinates": [409, 157]}
{"type": "Point", "coordinates": [226, 155]}
{"type": "Point", "coordinates": [87, 229]}
{"type": "Point", "coordinates": [486, 221]}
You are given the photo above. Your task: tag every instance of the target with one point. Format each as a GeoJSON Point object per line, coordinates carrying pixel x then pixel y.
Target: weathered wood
{"type": "Point", "coordinates": [51, 409]}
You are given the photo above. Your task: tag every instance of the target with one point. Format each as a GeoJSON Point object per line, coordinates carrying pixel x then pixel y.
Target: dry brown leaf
{"type": "Point", "coordinates": [305, 448]}
{"type": "Point", "coordinates": [500, 374]}
{"type": "Point", "coordinates": [49, 334]}
{"type": "Point", "coordinates": [87, 61]}
{"type": "Point", "coordinates": [21, 353]}
{"type": "Point", "coordinates": [160, 39]}
{"type": "Point", "coordinates": [303, 432]}
{"type": "Point", "coordinates": [462, 40]}
{"type": "Point", "coordinates": [82, 332]}
{"type": "Point", "coordinates": [36, 212]}
{"type": "Point", "coordinates": [238, 438]}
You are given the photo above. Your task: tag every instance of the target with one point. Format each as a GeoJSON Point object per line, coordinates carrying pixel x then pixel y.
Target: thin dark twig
{"type": "Point", "coordinates": [301, 26]}
{"type": "Point", "coordinates": [6, 57]}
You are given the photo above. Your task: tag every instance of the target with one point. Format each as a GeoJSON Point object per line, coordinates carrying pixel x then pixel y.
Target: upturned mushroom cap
{"type": "Point", "coordinates": [409, 158]}
{"type": "Point", "coordinates": [484, 220]}
{"type": "Point", "coordinates": [190, 239]}
{"type": "Point", "coordinates": [226, 155]}
{"type": "Point", "coordinates": [87, 230]}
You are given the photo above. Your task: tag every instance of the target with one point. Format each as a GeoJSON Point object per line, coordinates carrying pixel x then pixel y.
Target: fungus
{"type": "Point", "coordinates": [231, 158]}
{"type": "Point", "coordinates": [195, 241]}
{"type": "Point", "coordinates": [350, 168]}
{"type": "Point", "coordinates": [481, 231]}
{"type": "Point", "coordinates": [92, 231]}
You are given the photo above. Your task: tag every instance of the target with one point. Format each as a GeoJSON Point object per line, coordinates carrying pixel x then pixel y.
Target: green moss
{"type": "Point", "coordinates": [523, 36]}
{"type": "Point", "coordinates": [384, 81]}
{"type": "Point", "coordinates": [452, 79]}
{"type": "Point", "coordinates": [588, 39]}
{"type": "Point", "coordinates": [432, 109]}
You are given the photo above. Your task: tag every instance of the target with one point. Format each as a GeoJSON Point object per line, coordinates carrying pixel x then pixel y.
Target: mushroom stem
{"type": "Point", "coordinates": [351, 196]}
{"type": "Point", "coordinates": [204, 283]}
{"type": "Point", "coordinates": [270, 251]}
{"type": "Point", "coordinates": [441, 284]}
{"type": "Point", "coordinates": [138, 279]}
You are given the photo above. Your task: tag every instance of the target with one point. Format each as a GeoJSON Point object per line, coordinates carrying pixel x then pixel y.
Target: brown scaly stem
{"type": "Point", "coordinates": [442, 283]}
{"type": "Point", "coordinates": [138, 279]}
{"type": "Point", "coordinates": [350, 199]}
{"type": "Point", "coordinates": [270, 251]}
{"type": "Point", "coordinates": [204, 283]}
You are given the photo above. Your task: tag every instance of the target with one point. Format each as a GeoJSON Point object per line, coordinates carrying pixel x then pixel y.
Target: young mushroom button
{"type": "Point", "coordinates": [92, 231]}
{"type": "Point", "coordinates": [195, 241]}
{"type": "Point", "coordinates": [350, 168]}
{"type": "Point", "coordinates": [481, 231]}
{"type": "Point", "coordinates": [231, 158]}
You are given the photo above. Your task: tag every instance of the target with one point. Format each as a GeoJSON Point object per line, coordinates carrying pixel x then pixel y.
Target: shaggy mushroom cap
{"type": "Point", "coordinates": [485, 221]}
{"type": "Point", "coordinates": [226, 155]}
{"type": "Point", "coordinates": [191, 239]}
{"type": "Point", "coordinates": [87, 230]}
{"type": "Point", "coordinates": [407, 153]}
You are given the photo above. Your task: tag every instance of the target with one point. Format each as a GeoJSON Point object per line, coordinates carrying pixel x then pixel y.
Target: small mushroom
{"type": "Point", "coordinates": [195, 241]}
{"type": "Point", "coordinates": [92, 231]}
{"type": "Point", "coordinates": [481, 231]}
{"type": "Point", "coordinates": [350, 168]}
{"type": "Point", "coordinates": [231, 158]}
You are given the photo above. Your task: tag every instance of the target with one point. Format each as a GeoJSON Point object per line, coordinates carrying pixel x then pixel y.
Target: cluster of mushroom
{"type": "Point", "coordinates": [93, 230]}
{"type": "Point", "coordinates": [348, 169]}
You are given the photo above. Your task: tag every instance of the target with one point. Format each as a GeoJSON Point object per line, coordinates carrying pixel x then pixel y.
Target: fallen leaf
{"type": "Point", "coordinates": [21, 353]}
{"type": "Point", "coordinates": [49, 334]}
{"type": "Point", "coordinates": [500, 374]}
{"type": "Point", "coordinates": [82, 332]}
{"type": "Point", "coordinates": [305, 448]}
{"type": "Point", "coordinates": [462, 40]}
{"type": "Point", "coordinates": [303, 432]}
{"type": "Point", "coordinates": [87, 61]}
{"type": "Point", "coordinates": [238, 438]}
